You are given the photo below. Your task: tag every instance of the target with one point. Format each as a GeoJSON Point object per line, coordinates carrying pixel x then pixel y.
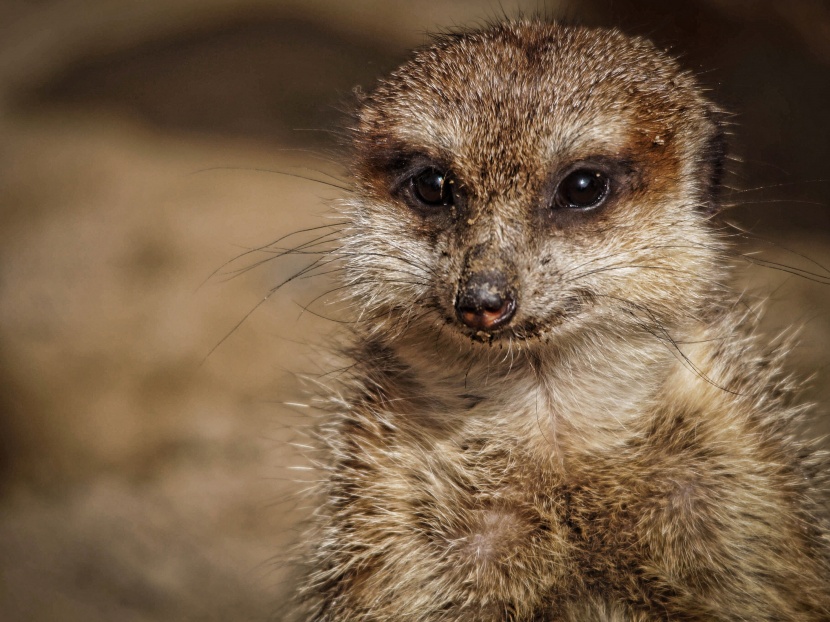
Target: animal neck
{"type": "Point", "coordinates": [576, 397]}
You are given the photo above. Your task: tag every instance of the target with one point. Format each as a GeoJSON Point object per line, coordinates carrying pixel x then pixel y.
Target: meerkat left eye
{"type": "Point", "coordinates": [433, 187]}
{"type": "Point", "coordinates": [582, 189]}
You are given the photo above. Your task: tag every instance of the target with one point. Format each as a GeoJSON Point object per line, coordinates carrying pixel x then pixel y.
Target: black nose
{"type": "Point", "coordinates": [485, 301]}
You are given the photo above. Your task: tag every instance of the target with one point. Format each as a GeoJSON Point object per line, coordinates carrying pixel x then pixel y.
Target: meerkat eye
{"type": "Point", "coordinates": [433, 187]}
{"type": "Point", "coordinates": [582, 189]}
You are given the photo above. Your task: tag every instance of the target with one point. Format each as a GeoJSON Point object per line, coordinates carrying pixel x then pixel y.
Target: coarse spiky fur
{"type": "Point", "coordinates": [624, 449]}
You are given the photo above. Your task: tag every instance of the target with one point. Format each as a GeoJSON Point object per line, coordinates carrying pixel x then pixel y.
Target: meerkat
{"type": "Point", "coordinates": [557, 409]}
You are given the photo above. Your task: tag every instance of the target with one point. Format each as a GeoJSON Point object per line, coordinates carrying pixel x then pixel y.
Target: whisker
{"type": "Point", "coordinates": [302, 249]}
{"type": "Point", "coordinates": [255, 307]}
{"type": "Point", "coordinates": [774, 265]}
{"type": "Point", "coordinates": [341, 187]}
{"type": "Point", "coordinates": [768, 187]}
{"type": "Point", "coordinates": [265, 246]}
{"type": "Point", "coordinates": [742, 233]}
{"type": "Point", "coordinates": [666, 339]}
{"type": "Point", "coordinates": [639, 250]}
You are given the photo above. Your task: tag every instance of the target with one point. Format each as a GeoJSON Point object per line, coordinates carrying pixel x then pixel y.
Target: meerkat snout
{"type": "Point", "coordinates": [487, 296]}
{"type": "Point", "coordinates": [486, 301]}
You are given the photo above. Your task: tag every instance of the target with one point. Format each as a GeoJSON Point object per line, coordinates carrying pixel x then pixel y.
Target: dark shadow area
{"type": "Point", "coordinates": [20, 456]}
{"type": "Point", "coordinates": [776, 87]}
{"type": "Point", "coordinates": [280, 81]}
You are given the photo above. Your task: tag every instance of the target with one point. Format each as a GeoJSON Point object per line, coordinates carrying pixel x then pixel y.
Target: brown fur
{"type": "Point", "coordinates": [624, 449]}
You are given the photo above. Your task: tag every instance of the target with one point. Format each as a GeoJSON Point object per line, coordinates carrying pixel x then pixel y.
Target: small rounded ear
{"type": "Point", "coordinates": [713, 160]}
{"type": "Point", "coordinates": [359, 95]}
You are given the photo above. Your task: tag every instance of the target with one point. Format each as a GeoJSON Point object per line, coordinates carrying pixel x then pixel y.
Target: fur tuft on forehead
{"type": "Point", "coordinates": [558, 67]}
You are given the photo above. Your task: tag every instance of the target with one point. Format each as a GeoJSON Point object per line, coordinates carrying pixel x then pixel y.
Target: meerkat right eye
{"type": "Point", "coordinates": [582, 189]}
{"type": "Point", "coordinates": [433, 187]}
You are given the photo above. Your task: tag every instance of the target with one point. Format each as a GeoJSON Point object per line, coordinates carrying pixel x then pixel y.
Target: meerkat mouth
{"type": "Point", "coordinates": [508, 326]}
{"type": "Point", "coordinates": [523, 331]}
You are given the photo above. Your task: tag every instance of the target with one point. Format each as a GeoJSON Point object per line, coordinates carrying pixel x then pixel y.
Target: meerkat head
{"type": "Point", "coordinates": [532, 181]}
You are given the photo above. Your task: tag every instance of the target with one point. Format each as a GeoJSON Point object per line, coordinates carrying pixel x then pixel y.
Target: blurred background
{"type": "Point", "coordinates": [145, 473]}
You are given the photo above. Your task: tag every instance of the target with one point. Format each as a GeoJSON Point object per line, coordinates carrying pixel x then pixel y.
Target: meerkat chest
{"type": "Point", "coordinates": [484, 517]}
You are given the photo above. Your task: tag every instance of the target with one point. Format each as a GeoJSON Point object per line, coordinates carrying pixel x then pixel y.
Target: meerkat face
{"type": "Point", "coordinates": [534, 180]}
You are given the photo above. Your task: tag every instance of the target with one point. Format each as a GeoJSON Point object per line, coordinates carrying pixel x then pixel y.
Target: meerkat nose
{"type": "Point", "coordinates": [485, 301]}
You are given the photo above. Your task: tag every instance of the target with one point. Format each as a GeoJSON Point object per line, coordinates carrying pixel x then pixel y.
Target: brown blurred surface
{"type": "Point", "coordinates": [138, 482]}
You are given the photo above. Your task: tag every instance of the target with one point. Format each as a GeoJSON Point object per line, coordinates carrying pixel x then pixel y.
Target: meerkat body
{"type": "Point", "coordinates": [557, 409]}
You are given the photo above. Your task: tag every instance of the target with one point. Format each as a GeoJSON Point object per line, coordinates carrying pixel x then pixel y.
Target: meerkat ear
{"type": "Point", "coordinates": [713, 160]}
{"type": "Point", "coordinates": [359, 94]}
